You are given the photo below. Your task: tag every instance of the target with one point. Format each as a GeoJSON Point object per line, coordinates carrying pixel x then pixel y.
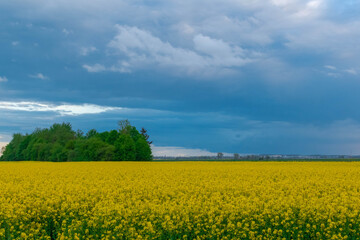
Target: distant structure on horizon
{"type": "Point", "coordinates": [259, 157]}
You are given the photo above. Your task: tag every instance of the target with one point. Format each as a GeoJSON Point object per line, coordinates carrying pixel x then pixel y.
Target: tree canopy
{"type": "Point", "coordinates": [61, 143]}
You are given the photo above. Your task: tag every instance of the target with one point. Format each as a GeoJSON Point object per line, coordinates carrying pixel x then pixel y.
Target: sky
{"type": "Point", "coordinates": [233, 76]}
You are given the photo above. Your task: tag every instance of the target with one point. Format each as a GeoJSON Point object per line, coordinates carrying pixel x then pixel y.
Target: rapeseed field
{"type": "Point", "coordinates": [180, 200]}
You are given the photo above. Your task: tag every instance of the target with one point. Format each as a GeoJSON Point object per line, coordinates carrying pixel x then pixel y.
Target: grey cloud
{"type": "Point", "coordinates": [3, 79]}
{"type": "Point", "coordinates": [296, 24]}
{"type": "Point", "coordinates": [39, 76]}
{"type": "Point", "coordinates": [337, 137]}
{"type": "Point", "coordinates": [330, 67]}
{"type": "Point", "coordinates": [84, 51]}
{"type": "Point", "coordinates": [94, 68]}
{"type": "Point", "coordinates": [141, 49]}
{"type": "Point", "coordinates": [351, 71]}
{"type": "Point", "coordinates": [208, 129]}
{"type": "Point", "coordinates": [337, 72]}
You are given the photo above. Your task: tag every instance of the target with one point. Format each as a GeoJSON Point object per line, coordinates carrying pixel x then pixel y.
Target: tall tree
{"type": "Point", "coordinates": [146, 136]}
{"type": "Point", "coordinates": [91, 133]}
{"type": "Point", "coordinates": [112, 136]}
{"type": "Point", "coordinates": [143, 150]}
{"type": "Point", "coordinates": [125, 148]}
{"type": "Point", "coordinates": [124, 126]}
{"type": "Point", "coordinates": [2, 149]}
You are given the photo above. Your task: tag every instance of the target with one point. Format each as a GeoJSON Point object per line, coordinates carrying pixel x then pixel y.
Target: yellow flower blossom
{"type": "Point", "coordinates": [180, 200]}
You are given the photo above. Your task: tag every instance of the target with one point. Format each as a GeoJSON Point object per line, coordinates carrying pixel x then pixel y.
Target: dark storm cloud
{"type": "Point", "coordinates": [277, 76]}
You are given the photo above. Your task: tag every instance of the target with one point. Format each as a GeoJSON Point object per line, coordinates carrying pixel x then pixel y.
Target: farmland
{"type": "Point", "coordinates": [180, 200]}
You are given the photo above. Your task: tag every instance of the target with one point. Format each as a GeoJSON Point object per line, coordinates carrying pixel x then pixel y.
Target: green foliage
{"type": "Point", "coordinates": [125, 147]}
{"type": "Point", "coordinates": [124, 125]}
{"type": "Point", "coordinates": [112, 136]}
{"type": "Point", "coordinates": [13, 150]}
{"type": "Point", "coordinates": [91, 133]}
{"type": "Point", "coordinates": [60, 143]}
{"type": "Point", "coordinates": [143, 150]}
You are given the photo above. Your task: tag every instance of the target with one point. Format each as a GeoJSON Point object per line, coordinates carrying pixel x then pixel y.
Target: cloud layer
{"type": "Point", "coordinates": [62, 109]}
{"type": "Point", "coordinates": [274, 76]}
{"type": "Point", "coordinates": [141, 49]}
{"type": "Point", "coordinates": [195, 132]}
{"type": "Point", "coordinates": [39, 76]}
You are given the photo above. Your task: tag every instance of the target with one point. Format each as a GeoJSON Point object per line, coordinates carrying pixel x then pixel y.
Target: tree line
{"type": "Point", "coordinates": [61, 143]}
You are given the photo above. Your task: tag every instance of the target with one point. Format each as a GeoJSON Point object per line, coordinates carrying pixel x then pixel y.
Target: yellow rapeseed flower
{"type": "Point", "coordinates": [182, 200]}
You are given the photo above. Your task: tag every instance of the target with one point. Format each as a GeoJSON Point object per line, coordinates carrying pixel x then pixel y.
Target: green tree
{"type": "Point", "coordinates": [125, 148]}
{"type": "Point", "coordinates": [93, 149]}
{"type": "Point", "coordinates": [91, 133]}
{"type": "Point", "coordinates": [112, 136]}
{"type": "Point", "coordinates": [61, 143]}
{"type": "Point", "coordinates": [103, 136]}
{"type": "Point", "coordinates": [124, 126]}
{"type": "Point", "coordinates": [12, 151]}
{"type": "Point", "coordinates": [60, 133]}
{"type": "Point", "coordinates": [44, 151]}
{"type": "Point", "coordinates": [58, 153]}
{"type": "Point", "coordinates": [79, 134]}
{"type": "Point", "coordinates": [143, 150]}
{"type": "Point", "coordinates": [145, 135]}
